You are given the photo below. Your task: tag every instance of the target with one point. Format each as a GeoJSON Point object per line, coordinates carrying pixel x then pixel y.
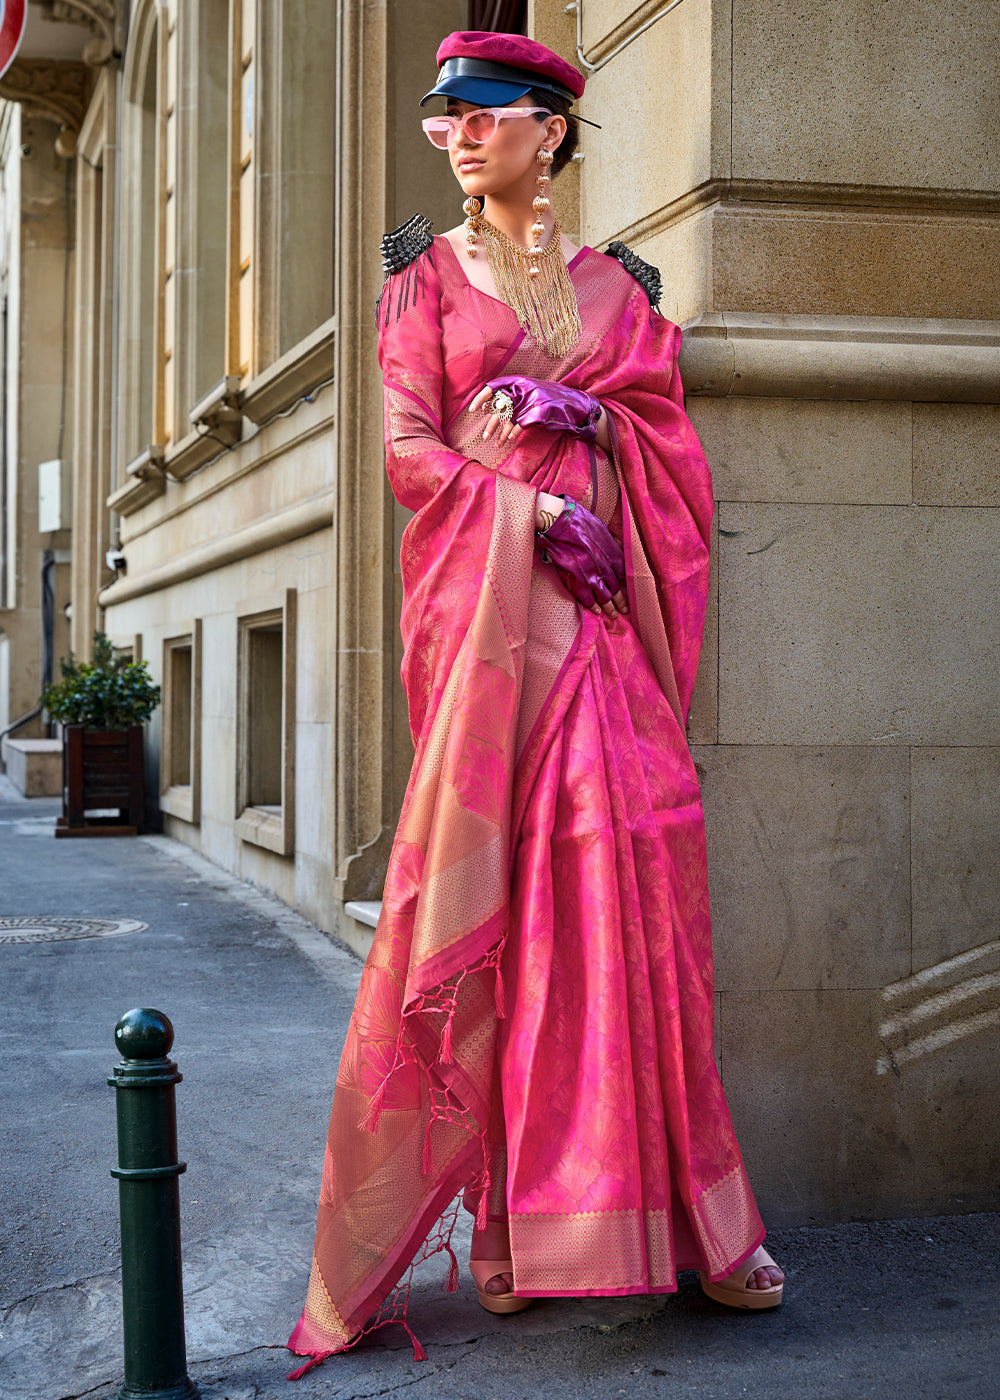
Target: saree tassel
{"type": "Point", "coordinates": [500, 996]}
{"type": "Point", "coordinates": [452, 1285]}
{"type": "Point", "coordinates": [369, 1123]}
{"type": "Point", "coordinates": [313, 1361]}
{"type": "Point", "coordinates": [484, 1181]}
{"type": "Point", "coordinates": [446, 1057]}
{"type": "Point", "coordinates": [418, 1352]}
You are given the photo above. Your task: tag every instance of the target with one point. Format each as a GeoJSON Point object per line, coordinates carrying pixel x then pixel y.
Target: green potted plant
{"type": "Point", "coordinates": [102, 705]}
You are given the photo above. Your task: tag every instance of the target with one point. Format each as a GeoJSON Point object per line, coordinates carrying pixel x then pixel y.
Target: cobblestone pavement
{"type": "Point", "coordinates": [259, 1001]}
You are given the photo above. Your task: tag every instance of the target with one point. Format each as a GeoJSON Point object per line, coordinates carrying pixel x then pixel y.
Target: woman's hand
{"type": "Point", "coordinates": [548, 509]}
{"type": "Point", "coordinates": [542, 403]}
{"type": "Point", "coordinates": [507, 429]}
{"type": "Point", "coordinates": [588, 559]}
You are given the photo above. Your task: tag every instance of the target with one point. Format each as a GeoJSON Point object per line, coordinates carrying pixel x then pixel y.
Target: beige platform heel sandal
{"type": "Point", "coordinates": [733, 1291]}
{"type": "Point", "coordinates": [482, 1270]}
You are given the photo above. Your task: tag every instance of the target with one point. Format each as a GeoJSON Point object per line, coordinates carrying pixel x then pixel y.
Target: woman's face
{"type": "Point", "coordinates": [508, 158]}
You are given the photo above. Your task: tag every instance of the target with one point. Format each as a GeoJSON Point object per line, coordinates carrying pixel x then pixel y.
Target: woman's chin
{"type": "Point", "coordinates": [474, 182]}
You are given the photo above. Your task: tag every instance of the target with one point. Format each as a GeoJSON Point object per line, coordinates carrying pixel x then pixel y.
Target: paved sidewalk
{"type": "Point", "coordinates": [259, 1001]}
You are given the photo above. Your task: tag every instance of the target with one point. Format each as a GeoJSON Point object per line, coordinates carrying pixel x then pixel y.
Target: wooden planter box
{"type": "Point", "coordinates": [102, 770]}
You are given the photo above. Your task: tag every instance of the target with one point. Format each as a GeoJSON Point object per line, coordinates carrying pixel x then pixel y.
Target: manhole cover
{"type": "Point", "coordinates": [51, 929]}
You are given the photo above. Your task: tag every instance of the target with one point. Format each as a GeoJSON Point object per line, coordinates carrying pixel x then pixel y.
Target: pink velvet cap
{"type": "Point", "coordinates": [478, 65]}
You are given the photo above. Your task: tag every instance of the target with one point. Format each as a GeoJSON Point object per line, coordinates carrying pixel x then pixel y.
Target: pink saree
{"type": "Point", "coordinates": [534, 1024]}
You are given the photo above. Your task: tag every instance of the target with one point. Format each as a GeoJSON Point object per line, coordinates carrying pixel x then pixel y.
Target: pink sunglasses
{"type": "Point", "coordinates": [479, 126]}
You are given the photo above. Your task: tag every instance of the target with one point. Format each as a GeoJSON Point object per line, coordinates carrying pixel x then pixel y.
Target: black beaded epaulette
{"type": "Point", "coordinates": [400, 251]}
{"type": "Point", "coordinates": [644, 273]}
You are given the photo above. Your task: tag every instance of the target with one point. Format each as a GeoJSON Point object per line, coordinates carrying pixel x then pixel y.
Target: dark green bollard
{"type": "Point", "coordinates": [147, 1172]}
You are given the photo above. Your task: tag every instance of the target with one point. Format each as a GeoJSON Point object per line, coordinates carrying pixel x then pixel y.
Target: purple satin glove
{"type": "Point", "coordinates": [586, 555]}
{"type": "Point", "coordinates": [545, 404]}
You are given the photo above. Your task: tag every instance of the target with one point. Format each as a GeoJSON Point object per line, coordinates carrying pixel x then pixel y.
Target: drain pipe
{"type": "Point", "coordinates": [48, 616]}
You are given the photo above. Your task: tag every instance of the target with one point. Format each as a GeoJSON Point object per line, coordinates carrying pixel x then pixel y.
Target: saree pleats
{"type": "Point", "coordinates": [533, 1030]}
{"type": "Point", "coordinates": [616, 1121]}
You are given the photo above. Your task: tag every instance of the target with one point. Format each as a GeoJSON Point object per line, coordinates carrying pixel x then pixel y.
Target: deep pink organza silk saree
{"type": "Point", "coordinates": [534, 1023]}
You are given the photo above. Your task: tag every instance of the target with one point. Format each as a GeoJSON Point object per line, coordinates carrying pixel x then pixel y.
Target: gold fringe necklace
{"type": "Point", "coordinates": [543, 302]}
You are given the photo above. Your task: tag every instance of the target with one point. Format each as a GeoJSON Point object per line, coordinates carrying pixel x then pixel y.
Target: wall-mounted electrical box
{"type": "Point", "coordinates": [55, 500]}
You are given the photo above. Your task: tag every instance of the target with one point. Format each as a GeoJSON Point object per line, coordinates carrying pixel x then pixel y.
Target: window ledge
{"type": "Point", "coordinates": [365, 911]}
{"type": "Point", "coordinates": [220, 404]}
{"type": "Point", "coordinates": [265, 826]}
{"type": "Point", "coordinates": [145, 482]}
{"type": "Point", "coordinates": [304, 366]}
{"type": "Point", "coordinates": [357, 927]}
{"type": "Point", "coordinates": [197, 449]}
{"type": "Point", "coordinates": [178, 801]}
{"type": "Point", "coordinates": [216, 423]}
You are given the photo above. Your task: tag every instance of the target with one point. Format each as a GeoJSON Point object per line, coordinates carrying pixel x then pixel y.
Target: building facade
{"type": "Point", "coordinates": [210, 181]}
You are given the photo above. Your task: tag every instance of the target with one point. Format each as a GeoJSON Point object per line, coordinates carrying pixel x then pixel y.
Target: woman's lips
{"type": "Point", "coordinates": [469, 163]}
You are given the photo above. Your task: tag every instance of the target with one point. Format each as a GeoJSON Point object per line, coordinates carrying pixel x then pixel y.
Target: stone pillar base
{"type": "Point", "coordinates": [34, 766]}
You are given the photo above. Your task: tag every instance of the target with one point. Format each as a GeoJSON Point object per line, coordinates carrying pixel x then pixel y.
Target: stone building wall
{"type": "Point", "coordinates": [819, 188]}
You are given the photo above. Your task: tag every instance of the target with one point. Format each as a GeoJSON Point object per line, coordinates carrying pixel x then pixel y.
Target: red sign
{"type": "Point", "coordinates": [13, 14]}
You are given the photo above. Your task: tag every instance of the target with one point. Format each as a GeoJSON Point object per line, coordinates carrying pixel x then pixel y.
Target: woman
{"type": "Point", "coordinates": [534, 1024]}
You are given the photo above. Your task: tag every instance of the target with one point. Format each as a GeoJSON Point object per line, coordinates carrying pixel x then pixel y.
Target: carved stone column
{"type": "Point", "coordinates": [387, 171]}
{"type": "Point", "coordinates": [362, 523]}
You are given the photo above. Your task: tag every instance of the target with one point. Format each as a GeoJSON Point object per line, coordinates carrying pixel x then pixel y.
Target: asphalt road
{"type": "Point", "coordinates": [259, 1002]}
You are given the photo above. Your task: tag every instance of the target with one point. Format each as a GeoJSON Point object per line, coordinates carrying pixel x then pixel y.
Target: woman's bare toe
{"type": "Point", "coordinates": [768, 1277]}
{"type": "Point", "coordinates": [500, 1283]}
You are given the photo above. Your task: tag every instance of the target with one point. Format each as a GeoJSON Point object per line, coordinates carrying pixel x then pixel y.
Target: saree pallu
{"type": "Point", "coordinates": [534, 1025]}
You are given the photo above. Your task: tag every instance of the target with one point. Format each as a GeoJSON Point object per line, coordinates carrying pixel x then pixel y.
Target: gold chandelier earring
{"type": "Point", "coordinates": [540, 203]}
{"type": "Point", "coordinates": [473, 209]}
